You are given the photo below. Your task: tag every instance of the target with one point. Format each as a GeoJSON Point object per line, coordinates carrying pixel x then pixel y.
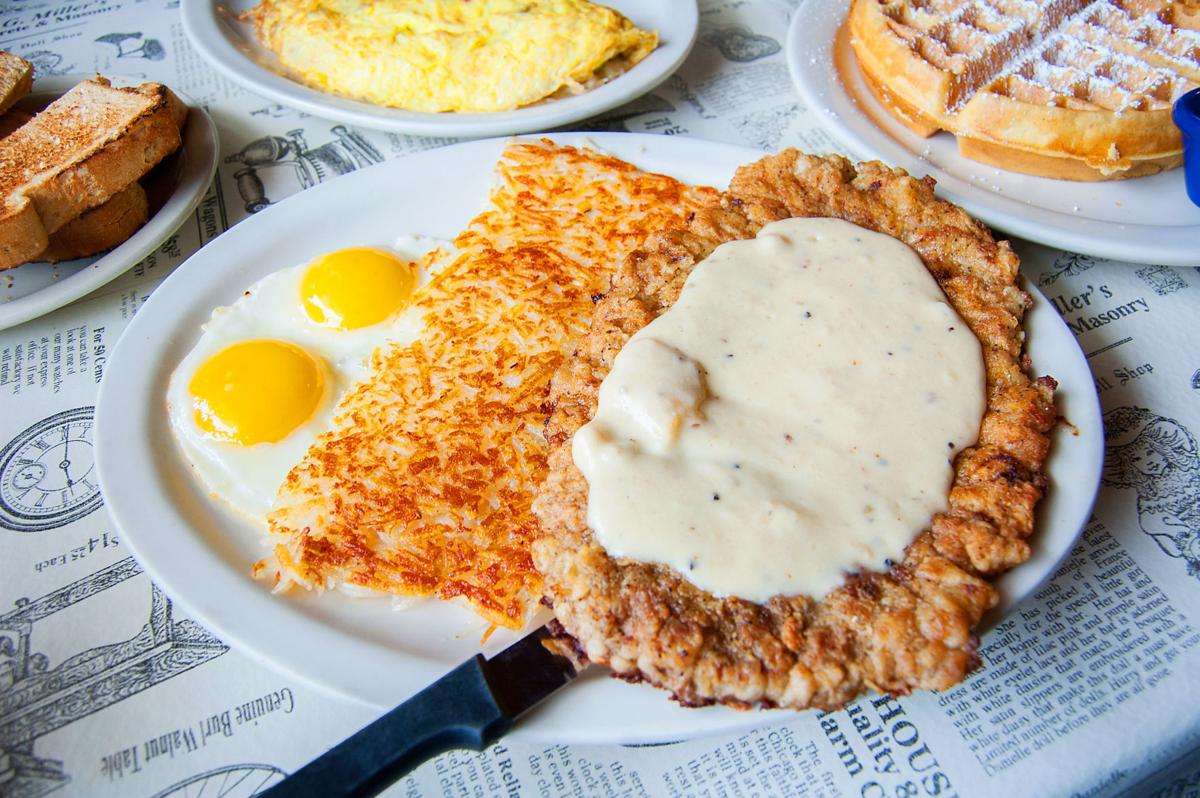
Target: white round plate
{"type": "Point", "coordinates": [231, 47]}
{"type": "Point", "coordinates": [361, 648]}
{"type": "Point", "coordinates": [35, 289]}
{"type": "Point", "coordinates": [1144, 220]}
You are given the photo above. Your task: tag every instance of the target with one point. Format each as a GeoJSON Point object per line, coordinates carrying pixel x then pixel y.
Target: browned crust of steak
{"type": "Point", "coordinates": [904, 629]}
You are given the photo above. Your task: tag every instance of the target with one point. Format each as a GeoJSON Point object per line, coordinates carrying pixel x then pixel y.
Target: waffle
{"type": "Point", "coordinates": [1073, 89]}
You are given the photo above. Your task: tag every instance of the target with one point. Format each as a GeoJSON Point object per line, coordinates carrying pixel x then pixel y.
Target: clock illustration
{"type": "Point", "coordinates": [48, 474]}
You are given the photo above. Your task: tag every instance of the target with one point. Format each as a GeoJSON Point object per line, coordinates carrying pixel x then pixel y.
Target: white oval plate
{"type": "Point", "coordinates": [231, 48]}
{"type": "Point", "coordinates": [1144, 220]}
{"type": "Point", "coordinates": [35, 289]}
{"type": "Point", "coordinates": [361, 648]}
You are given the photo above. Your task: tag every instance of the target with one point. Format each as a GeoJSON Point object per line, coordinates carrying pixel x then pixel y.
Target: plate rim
{"type": "Point", "coordinates": [201, 148]}
{"type": "Point", "coordinates": [1137, 243]}
{"type": "Point", "coordinates": [203, 29]}
{"type": "Point", "coordinates": [119, 424]}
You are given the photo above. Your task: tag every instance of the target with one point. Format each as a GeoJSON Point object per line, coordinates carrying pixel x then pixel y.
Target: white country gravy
{"type": "Point", "coordinates": [792, 418]}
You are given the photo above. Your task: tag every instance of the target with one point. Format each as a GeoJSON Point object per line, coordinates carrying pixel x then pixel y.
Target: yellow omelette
{"type": "Point", "coordinates": [450, 55]}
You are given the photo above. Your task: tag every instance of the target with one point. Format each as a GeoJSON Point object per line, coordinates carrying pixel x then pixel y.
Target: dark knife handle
{"type": "Point", "coordinates": [456, 711]}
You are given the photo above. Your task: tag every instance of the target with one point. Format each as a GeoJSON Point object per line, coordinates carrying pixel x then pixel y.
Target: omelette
{"type": "Point", "coordinates": [450, 55]}
{"type": "Point", "coordinates": [423, 485]}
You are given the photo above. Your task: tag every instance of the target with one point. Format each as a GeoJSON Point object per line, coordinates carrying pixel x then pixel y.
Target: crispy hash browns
{"type": "Point", "coordinates": [423, 485]}
{"type": "Point", "coordinates": [909, 628]}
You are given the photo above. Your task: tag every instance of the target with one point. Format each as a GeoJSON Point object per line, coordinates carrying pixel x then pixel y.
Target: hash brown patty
{"type": "Point", "coordinates": [423, 485]}
{"type": "Point", "coordinates": [895, 631]}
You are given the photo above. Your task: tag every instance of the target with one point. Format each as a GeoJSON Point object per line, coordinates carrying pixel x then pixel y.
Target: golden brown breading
{"type": "Point", "coordinates": [909, 628]}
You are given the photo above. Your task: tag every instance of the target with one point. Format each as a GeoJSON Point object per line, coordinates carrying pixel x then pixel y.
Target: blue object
{"type": "Point", "coordinates": [1187, 118]}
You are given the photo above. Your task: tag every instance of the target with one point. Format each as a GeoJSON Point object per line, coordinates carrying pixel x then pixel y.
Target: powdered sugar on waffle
{"type": "Point", "coordinates": [1078, 74]}
{"type": "Point", "coordinates": [1118, 56]}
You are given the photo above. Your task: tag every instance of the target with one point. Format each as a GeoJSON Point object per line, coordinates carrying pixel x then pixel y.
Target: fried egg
{"type": "Point", "coordinates": [267, 373]}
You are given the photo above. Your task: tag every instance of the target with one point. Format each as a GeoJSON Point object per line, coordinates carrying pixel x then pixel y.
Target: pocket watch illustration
{"type": "Point", "coordinates": [48, 475]}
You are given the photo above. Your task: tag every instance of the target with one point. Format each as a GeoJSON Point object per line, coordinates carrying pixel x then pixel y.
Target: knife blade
{"type": "Point", "coordinates": [472, 706]}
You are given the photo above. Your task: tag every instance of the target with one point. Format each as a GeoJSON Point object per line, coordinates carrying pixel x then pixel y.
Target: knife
{"type": "Point", "coordinates": [472, 706]}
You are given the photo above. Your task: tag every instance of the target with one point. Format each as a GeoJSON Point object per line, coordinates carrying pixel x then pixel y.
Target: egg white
{"type": "Point", "coordinates": [248, 477]}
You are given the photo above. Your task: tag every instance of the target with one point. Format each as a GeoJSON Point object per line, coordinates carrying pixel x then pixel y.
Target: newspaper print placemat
{"type": "Point", "coordinates": [107, 689]}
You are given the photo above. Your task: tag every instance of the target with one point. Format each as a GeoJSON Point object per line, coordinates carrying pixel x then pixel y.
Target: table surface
{"type": "Point", "coordinates": [106, 688]}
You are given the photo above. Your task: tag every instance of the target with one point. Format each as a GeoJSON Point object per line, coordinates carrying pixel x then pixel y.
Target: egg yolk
{"type": "Point", "coordinates": [356, 287]}
{"type": "Point", "coordinates": [256, 391]}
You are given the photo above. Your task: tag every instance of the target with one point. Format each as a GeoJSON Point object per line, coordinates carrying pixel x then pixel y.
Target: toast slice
{"type": "Point", "coordinates": [86, 146]}
{"type": "Point", "coordinates": [16, 79]}
{"type": "Point", "coordinates": [101, 228]}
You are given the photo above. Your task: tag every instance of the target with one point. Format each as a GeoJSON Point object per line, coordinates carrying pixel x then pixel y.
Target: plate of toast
{"type": "Point", "coordinates": [1057, 130]}
{"type": "Point", "coordinates": [95, 173]}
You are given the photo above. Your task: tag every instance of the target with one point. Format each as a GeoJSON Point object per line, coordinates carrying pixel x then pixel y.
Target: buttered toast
{"type": "Point", "coordinates": [85, 147]}
{"type": "Point", "coordinates": [97, 230]}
